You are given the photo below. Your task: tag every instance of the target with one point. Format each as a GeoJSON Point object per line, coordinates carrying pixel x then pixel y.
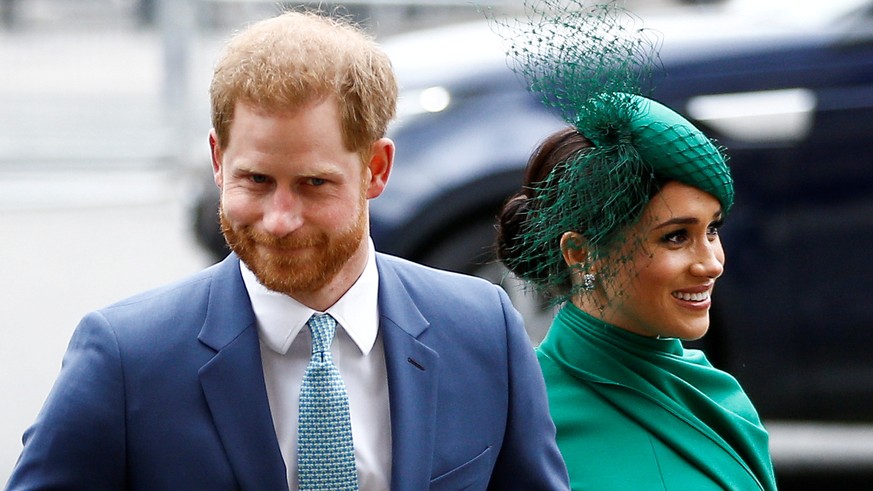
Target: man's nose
{"type": "Point", "coordinates": [283, 214]}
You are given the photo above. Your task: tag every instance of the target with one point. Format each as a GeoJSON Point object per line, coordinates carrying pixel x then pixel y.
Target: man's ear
{"type": "Point", "coordinates": [574, 248]}
{"type": "Point", "coordinates": [217, 156]}
{"type": "Point", "coordinates": [379, 166]}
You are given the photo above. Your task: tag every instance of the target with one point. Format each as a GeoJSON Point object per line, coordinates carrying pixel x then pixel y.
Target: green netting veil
{"type": "Point", "coordinates": [592, 64]}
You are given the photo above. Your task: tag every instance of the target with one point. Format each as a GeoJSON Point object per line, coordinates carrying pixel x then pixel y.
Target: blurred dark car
{"type": "Point", "coordinates": [788, 89]}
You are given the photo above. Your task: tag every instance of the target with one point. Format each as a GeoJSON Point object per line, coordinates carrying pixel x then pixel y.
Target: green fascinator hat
{"type": "Point", "coordinates": [591, 64]}
{"type": "Point", "coordinates": [673, 147]}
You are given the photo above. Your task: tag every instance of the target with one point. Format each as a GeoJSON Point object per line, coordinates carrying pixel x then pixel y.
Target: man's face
{"type": "Point", "coordinates": [294, 199]}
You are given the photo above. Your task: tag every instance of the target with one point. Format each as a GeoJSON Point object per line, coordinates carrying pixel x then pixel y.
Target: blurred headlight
{"type": "Point", "coordinates": [774, 116]}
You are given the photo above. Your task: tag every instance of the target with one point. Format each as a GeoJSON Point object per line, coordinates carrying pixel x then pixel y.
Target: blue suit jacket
{"type": "Point", "coordinates": [165, 391]}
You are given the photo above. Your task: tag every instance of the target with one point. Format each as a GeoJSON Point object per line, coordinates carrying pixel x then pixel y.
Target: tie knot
{"type": "Point", "coordinates": [322, 327]}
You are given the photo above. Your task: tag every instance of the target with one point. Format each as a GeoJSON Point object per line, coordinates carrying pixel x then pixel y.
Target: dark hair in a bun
{"type": "Point", "coordinates": [558, 148]}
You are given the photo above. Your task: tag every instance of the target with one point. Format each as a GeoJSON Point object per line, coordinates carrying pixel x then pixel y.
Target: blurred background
{"type": "Point", "coordinates": [105, 183]}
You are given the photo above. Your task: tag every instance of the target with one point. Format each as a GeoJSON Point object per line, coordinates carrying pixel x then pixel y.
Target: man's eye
{"type": "Point", "coordinates": [258, 178]}
{"type": "Point", "coordinates": [316, 181]}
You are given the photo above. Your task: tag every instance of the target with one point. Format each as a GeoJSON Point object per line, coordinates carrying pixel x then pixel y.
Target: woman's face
{"type": "Point", "coordinates": [675, 257]}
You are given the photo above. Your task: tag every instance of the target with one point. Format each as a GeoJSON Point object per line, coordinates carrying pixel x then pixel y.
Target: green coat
{"type": "Point", "coordinates": [638, 413]}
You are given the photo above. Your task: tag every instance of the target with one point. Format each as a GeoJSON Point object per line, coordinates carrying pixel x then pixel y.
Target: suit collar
{"type": "Point", "coordinates": [229, 312]}
{"type": "Point", "coordinates": [412, 379]}
{"type": "Point", "coordinates": [233, 383]}
{"type": "Point", "coordinates": [396, 304]}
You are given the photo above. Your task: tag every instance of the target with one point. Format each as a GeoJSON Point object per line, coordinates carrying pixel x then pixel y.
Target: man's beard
{"type": "Point", "coordinates": [283, 266]}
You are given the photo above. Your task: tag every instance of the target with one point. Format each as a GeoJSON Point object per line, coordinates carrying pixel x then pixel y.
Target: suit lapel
{"type": "Point", "coordinates": [233, 384]}
{"type": "Point", "coordinates": [412, 382]}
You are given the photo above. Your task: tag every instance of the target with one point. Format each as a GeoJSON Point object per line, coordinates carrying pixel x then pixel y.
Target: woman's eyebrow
{"type": "Point", "coordinates": [685, 220]}
{"type": "Point", "coordinates": [678, 221]}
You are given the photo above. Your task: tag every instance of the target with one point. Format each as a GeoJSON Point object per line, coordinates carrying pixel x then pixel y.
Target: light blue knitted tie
{"type": "Point", "coordinates": [325, 452]}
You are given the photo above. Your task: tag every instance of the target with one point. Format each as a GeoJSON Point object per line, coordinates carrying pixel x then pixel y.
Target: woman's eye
{"type": "Point", "coordinates": [712, 230]}
{"type": "Point", "coordinates": [676, 237]}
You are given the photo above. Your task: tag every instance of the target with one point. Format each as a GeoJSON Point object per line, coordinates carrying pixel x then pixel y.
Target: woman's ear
{"type": "Point", "coordinates": [573, 248]}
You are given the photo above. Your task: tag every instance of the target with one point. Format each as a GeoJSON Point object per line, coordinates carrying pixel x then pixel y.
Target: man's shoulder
{"type": "Point", "coordinates": [412, 272]}
{"type": "Point", "coordinates": [197, 281]}
{"type": "Point", "coordinates": [437, 293]}
{"type": "Point", "coordinates": [188, 294]}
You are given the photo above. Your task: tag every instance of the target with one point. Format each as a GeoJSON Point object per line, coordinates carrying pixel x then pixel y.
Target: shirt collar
{"type": "Point", "coordinates": [280, 317]}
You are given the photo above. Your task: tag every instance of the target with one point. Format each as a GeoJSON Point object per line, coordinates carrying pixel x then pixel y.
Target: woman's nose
{"type": "Point", "coordinates": [710, 261]}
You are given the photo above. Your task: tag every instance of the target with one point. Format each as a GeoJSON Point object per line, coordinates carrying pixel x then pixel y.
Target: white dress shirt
{"type": "Point", "coordinates": [358, 353]}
